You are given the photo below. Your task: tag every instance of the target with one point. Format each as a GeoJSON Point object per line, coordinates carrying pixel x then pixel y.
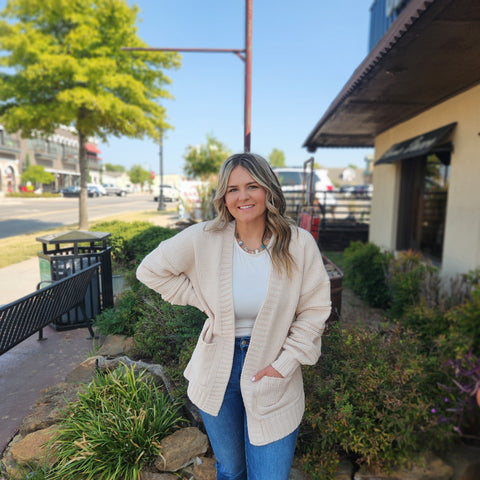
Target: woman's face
{"type": "Point", "coordinates": [245, 198]}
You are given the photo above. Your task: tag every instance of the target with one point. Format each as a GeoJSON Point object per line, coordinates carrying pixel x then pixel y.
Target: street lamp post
{"type": "Point", "coordinates": [244, 54]}
{"type": "Point", "coordinates": [161, 200]}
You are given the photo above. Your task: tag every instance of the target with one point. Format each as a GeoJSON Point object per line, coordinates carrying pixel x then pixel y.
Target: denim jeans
{"type": "Point", "coordinates": [237, 458]}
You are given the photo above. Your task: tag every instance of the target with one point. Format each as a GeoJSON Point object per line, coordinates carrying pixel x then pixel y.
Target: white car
{"type": "Point", "coordinates": [295, 184]}
{"type": "Point", "coordinates": [170, 194]}
{"type": "Point", "coordinates": [98, 187]}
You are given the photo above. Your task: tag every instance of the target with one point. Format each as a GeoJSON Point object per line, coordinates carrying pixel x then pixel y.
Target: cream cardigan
{"type": "Point", "coordinates": [195, 268]}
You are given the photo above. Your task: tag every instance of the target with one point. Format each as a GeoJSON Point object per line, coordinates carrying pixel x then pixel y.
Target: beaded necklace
{"type": "Point", "coordinates": [248, 250]}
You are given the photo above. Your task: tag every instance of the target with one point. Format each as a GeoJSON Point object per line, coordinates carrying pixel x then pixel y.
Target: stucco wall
{"type": "Point", "coordinates": [461, 250]}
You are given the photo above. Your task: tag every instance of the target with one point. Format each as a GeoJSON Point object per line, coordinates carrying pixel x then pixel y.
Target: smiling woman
{"type": "Point", "coordinates": [262, 283]}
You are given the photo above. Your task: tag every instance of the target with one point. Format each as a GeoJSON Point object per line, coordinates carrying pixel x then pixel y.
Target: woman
{"type": "Point", "coordinates": [262, 283]}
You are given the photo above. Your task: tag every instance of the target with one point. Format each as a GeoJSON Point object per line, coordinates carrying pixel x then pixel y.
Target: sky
{"type": "Point", "coordinates": [303, 53]}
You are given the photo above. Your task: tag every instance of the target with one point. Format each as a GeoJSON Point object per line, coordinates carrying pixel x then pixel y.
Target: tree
{"type": "Point", "coordinates": [36, 174]}
{"type": "Point", "coordinates": [65, 66]}
{"type": "Point", "coordinates": [277, 158]}
{"type": "Point", "coordinates": [109, 167]}
{"type": "Point", "coordinates": [205, 160]}
{"type": "Point", "coordinates": [137, 174]}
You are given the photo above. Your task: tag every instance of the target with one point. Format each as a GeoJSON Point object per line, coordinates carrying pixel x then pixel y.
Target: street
{"type": "Point", "coordinates": [28, 215]}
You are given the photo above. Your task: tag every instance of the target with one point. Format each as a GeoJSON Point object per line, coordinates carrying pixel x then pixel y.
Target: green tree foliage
{"type": "Point", "coordinates": [110, 167]}
{"type": "Point", "coordinates": [65, 66]}
{"type": "Point", "coordinates": [205, 160]}
{"type": "Point", "coordinates": [36, 174]}
{"type": "Point", "coordinates": [139, 175]}
{"type": "Point", "coordinates": [277, 158]}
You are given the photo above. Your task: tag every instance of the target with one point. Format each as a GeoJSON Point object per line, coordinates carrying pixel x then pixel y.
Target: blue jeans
{"type": "Point", "coordinates": [237, 458]}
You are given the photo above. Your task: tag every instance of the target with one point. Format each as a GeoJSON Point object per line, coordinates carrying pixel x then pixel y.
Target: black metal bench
{"type": "Point", "coordinates": [30, 314]}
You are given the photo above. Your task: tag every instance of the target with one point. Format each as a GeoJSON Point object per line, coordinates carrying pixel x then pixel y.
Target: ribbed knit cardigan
{"type": "Point", "coordinates": [195, 268]}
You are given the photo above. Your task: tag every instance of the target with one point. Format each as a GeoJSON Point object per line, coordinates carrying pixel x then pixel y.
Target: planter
{"type": "Point", "coordinates": [336, 279]}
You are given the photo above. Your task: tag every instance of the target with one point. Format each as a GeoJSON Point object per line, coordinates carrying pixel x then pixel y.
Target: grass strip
{"type": "Point", "coordinates": [23, 247]}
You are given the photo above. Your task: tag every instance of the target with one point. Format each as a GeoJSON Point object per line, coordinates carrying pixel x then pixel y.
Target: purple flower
{"type": "Point", "coordinates": [446, 400]}
{"type": "Point", "coordinates": [433, 410]}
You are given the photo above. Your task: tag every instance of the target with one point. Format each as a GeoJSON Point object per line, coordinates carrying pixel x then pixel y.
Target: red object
{"type": "Point", "coordinates": [310, 223]}
{"type": "Point", "coordinates": [153, 175]}
{"type": "Point", "coordinates": [91, 148]}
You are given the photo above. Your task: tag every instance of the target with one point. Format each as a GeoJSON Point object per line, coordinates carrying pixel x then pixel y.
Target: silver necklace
{"type": "Point", "coordinates": [248, 250]}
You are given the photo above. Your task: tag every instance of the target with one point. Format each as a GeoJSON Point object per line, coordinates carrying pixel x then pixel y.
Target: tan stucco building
{"type": "Point", "coordinates": [416, 99]}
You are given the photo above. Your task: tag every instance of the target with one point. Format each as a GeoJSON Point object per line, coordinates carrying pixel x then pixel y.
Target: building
{"type": "Point", "coordinates": [415, 98]}
{"type": "Point", "coordinates": [58, 154]}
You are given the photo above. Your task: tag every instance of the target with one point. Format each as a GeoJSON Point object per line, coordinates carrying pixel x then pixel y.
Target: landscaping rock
{"type": "Point", "coordinates": [157, 476]}
{"type": "Point", "coordinates": [204, 469]}
{"type": "Point", "coordinates": [28, 450]}
{"type": "Point", "coordinates": [115, 345]}
{"type": "Point", "coordinates": [465, 460]}
{"type": "Point", "coordinates": [180, 449]}
{"type": "Point", "coordinates": [84, 372]}
{"type": "Point", "coordinates": [50, 403]}
{"type": "Point", "coordinates": [433, 468]}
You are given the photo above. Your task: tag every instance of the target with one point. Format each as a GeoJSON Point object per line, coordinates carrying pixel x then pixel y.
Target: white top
{"type": "Point", "coordinates": [250, 282]}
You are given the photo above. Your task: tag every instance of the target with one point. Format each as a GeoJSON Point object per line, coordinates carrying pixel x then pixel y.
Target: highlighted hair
{"type": "Point", "coordinates": [277, 223]}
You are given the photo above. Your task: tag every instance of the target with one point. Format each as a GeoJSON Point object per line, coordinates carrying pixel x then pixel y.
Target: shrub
{"type": "Point", "coordinates": [365, 270]}
{"type": "Point", "coordinates": [370, 396]}
{"type": "Point", "coordinates": [132, 241]}
{"type": "Point", "coordinates": [464, 322]}
{"type": "Point", "coordinates": [114, 429]}
{"type": "Point", "coordinates": [407, 275]}
{"type": "Point", "coordinates": [458, 405]}
{"type": "Point", "coordinates": [122, 319]}
{"type": "Point", "coordinates": [163, 330]}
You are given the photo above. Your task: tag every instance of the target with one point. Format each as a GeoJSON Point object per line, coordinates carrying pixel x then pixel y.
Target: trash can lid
{"type": "Point", "coordinates": [75, 236]}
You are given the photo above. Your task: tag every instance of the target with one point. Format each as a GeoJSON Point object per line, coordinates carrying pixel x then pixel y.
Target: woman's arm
{"type": "Point", "coordinates": [165, 271]}
{"type": "Point", "coordinates": [303, 343]}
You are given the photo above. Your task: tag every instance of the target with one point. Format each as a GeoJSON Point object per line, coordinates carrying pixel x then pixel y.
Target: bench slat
{"type": "Point", "coordinates": [30, 314]}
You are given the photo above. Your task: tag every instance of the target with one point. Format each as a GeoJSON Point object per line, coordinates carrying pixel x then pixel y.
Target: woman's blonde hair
{"type": "Point", "coordinates": [278, 224]}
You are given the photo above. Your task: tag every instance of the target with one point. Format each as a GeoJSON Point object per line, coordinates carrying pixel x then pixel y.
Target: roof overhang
{"type": "Point", "coordinates": [429, 54]}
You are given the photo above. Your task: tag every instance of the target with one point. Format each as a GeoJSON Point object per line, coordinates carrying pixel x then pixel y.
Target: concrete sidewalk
{"type": "Point", "coordinates": [33, 365]}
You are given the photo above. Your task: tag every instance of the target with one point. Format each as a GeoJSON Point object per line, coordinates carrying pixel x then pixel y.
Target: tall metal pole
{"type": "Point", "coordinates": [245, 55]}
{"type": "Point", "coordinates": [161, 200]}
{"type": "Point", "coordinates": [248, 75]}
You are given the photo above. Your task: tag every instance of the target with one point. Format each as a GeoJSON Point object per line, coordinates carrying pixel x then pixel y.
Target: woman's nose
{"type": "Point", "coordinates": [244, 193]}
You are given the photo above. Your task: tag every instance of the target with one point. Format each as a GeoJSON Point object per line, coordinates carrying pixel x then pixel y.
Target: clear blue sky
{"type": "Point", "coordinates": [304, 52]}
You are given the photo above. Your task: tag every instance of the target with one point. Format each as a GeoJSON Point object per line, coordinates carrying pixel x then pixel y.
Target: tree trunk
{"type": "Point", "coordinates": [82, 205]}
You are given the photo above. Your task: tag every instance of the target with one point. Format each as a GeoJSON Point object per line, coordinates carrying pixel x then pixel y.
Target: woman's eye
{"type": "Point", "coordinates": [254, 187]}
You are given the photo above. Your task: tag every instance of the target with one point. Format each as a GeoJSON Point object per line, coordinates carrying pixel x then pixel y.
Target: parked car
{"type": "Point", "coordinates": [111, 189]}
{"type": "Point", "coordinates": [295, 184]}
{"type": "Point", "coordinates": [357, 191]}
{"type": "Point", "coordinates": [170, 194]}
{"type": "Point", "coordinates": [96, 187]}
{"type": "Point", "coordinates": [74, 191]}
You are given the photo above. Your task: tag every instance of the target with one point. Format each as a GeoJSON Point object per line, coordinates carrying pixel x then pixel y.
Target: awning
{"type": "Point", "coordinates": [91, 148]}
{"type": "Point", "coordinates": [62, 172]}
{"type": "Point", "coordinates": [435, 141]}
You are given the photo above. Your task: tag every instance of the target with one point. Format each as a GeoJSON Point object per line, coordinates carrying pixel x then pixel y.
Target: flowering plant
{"type": "Point", "coordinates": [461, 404]}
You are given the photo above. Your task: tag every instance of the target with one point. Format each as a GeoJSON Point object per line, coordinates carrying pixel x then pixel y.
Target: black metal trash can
{"type": "Point", "coordinates": [66, 253]}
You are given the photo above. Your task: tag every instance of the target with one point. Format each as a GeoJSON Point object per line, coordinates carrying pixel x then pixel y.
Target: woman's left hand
{"type": "Point", "coordinates": [267, 372]}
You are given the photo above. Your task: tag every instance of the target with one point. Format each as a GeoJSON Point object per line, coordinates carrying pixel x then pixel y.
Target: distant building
{"type": "Point", "coordinates": [58, 154]}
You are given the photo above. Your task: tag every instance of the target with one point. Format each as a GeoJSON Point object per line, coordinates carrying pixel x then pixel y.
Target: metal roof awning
{"type": "Point", "coordinates": [423, 59]}
{"type": "Point", "coordinates": [430, 142]}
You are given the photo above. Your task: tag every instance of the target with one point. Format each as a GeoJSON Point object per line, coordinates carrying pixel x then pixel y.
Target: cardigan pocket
{"type": "Point", "coordinates": [274, 393]}
{"type": "Point", "coordinates": [201, 363]}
